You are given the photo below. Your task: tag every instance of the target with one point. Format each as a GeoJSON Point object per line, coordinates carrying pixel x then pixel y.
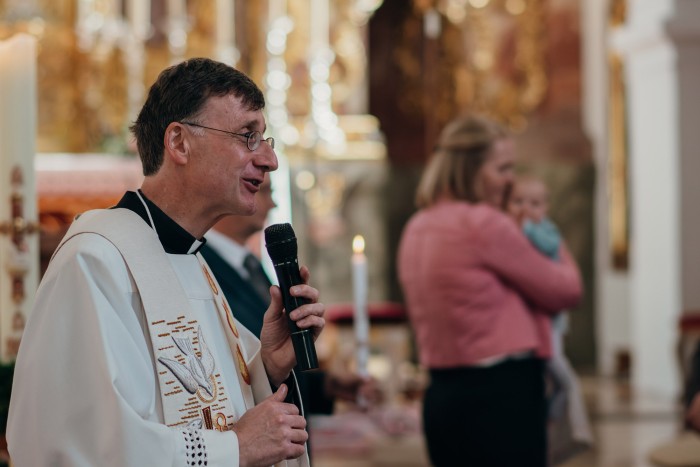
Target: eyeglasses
{"type": "Point", "coordinates": [252, 138]}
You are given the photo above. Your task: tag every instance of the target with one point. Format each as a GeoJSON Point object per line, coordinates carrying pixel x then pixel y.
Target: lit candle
{"type": "Point", "coordinates": [17, 148]}
{"type": "Point", "coordinates": [360, 317]}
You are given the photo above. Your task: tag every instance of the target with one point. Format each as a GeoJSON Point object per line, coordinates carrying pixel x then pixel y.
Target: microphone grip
{"type": "Point", "coordinates": [302, 339]}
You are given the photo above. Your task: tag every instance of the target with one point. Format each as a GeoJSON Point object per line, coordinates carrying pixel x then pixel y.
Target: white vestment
{"type": "Point", "coordinates": [85, 390]}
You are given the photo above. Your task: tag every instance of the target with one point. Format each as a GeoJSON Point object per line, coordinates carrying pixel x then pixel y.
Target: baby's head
{"type": "Point", "coordinates": [528, 199]}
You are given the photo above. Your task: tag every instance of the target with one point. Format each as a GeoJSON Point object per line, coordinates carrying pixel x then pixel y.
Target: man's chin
{"type": "Point", "coordinates": [240, 210]}
{"type": "Point", "coordinates": [248, 210]}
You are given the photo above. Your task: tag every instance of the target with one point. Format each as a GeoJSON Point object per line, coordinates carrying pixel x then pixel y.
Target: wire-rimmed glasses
{"type": "Point", "coordinates": [253, 138]}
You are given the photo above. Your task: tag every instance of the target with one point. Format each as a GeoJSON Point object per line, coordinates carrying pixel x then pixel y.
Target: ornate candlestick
{"type": "Point", "coordinates": [17, 262]}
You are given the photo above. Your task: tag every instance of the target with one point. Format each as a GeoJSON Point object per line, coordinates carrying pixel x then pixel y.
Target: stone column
{"type": "Point", "coordinates": [660, 45]}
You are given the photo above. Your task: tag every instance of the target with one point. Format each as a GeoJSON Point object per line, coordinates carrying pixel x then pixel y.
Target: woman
{"type": "Point", "coordinates": [479, 297]}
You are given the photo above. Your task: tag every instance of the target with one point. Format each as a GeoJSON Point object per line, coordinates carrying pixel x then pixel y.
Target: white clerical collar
{"type": "Point", "coordinates": [231, 251]}
{"type": "Point", "coordinates": [195, 247]}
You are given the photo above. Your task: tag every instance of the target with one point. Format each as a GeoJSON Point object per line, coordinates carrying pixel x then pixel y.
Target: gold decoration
{"type": "Point", "coordinates": [618, 13]}
{"type": "Point", "coordinates": [242, 367]}
{"type": "Point", "coordinates": [489, 57]}
{"type": "Point", "coordinates": [202, 395]}
{"type": "Point", "coordinates": [17, 227]}
{"type": "Point", "coordinates": [507, 59]}
{"type": "Point", "coordinates": [84, 49]}
{"type": "Point", "coordinates": [617, 148]}
{"type": "Point", "coordinates": [229, 319]}
{"type": "Point", "coordinates": [200, 41]}
{"type": "Point", "coordinates": [212, 284]}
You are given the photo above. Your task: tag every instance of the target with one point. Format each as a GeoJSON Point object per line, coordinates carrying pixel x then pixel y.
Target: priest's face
{"type": "Point", "coordinates": [225, 173]}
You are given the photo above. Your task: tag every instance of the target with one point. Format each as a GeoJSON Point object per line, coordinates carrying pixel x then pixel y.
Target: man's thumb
{"type": "Point", "coordinates": [281, 393]}
{"type": "Point", "coordinates": [274, 311]}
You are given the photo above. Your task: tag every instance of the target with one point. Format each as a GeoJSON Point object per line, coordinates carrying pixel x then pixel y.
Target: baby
{"type": "Point", "coordinates": [528, 204]}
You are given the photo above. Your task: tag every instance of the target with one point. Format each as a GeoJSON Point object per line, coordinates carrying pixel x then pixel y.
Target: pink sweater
{"type": "Point", "coordinates": [475, 287]}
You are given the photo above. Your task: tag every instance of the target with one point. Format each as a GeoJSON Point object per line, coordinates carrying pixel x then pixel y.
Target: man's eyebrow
{"type": "Point", "coordinates": [253, 125]}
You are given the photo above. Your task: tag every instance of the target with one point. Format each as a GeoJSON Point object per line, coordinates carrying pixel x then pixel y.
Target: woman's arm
{"type": "Point", "coordinates": [548, 284]}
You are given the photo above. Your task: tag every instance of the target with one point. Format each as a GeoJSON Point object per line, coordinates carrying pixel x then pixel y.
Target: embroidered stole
{"type": "Point", "coordinates": [190, 383]}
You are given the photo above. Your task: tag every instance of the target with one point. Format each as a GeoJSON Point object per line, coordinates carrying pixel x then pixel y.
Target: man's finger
{"type": "Point", "coordinates": [281, 393]}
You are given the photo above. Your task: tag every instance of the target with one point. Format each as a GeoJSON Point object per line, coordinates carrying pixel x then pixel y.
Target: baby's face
{"type": "Point", "coordinates": [528, 200]}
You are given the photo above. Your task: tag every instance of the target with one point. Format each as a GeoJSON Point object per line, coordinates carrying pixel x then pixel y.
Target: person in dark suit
{"type": "Point", "coordinates": [692, 393]}
{"type": "Point", "coordinates": [246, 287]}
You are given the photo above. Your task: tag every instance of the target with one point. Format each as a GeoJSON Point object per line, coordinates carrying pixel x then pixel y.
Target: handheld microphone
{"type": "Point", "coordinates": [281, 245]}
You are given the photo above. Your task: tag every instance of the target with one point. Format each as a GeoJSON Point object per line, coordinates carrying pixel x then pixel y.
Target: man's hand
{"type": "Point", "coordinates": [276, 346]}
{"type": "Point", "coordinates": [270, 432]}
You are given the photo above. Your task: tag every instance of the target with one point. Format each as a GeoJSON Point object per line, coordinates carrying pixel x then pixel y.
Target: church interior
{"type": "Point", "coordinates": [600, 95]}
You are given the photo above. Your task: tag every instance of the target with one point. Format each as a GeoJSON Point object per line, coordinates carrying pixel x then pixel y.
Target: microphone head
{"type": "Point", "coordinates": [281, 243]}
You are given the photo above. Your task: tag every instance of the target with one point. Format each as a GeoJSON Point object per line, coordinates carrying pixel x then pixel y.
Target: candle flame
{"type": "Point", "coordinates": [358, 244]}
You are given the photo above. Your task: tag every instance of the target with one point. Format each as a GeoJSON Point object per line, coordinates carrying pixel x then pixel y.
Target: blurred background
{"type": "Point", "coordinates": [602, 98]}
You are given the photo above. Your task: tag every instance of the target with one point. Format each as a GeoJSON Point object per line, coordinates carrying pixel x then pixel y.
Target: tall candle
{"type": "Point", "coordinates": [177, 11]}
{"type": "Point", "coordinates": [112, 10]}
{"type": "Point", "coordinates": [140, 18]}
{"type": "Point", "coordinates": [226, 31]}
{"type": "Point", "coordinates": [360, 316]}
{"type": "Point", "coordinates": [17, 148]}
{"type": "Point", "coordinates": [319, 19]}
{"type": "Point", "coordinates": [277, 9]}
{"type": "Point", "coordinates": [86, 9]}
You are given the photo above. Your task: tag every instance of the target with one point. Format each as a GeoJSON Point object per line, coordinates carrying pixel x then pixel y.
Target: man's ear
{"type": "Point", "coordinates": [176, 144]}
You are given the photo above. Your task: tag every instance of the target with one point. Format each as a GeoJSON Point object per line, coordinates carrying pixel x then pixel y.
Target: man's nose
{"type": "Point", "coordinates": [266, 157]}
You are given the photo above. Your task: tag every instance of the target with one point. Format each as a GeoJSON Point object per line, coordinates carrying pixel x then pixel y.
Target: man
{"type": "Point", "coordinates": [692, 393]}
{"type": "Point", "coordinates": [246, 286]}
{"type": "Point", "coordinates": [236, 267]}
{"type": "Point", "coordinates": [130, 356]}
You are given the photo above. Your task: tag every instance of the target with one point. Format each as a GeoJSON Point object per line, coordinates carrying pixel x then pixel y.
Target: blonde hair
{"type": "Point", "coordinates": [460, 152]}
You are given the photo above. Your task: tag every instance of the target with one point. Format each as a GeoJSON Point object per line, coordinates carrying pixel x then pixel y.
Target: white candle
{"type": "Point", "coordinates": [226, 31]}
{"type": "Point", "coordinates": [319, 21]}
{"type": "Point", "coordinates": [112, 10]}
{"type": "Point", "coordinates": [177, 30]}
{"type": "Point", "coordinates": [277, 9]}
{"type": "Point", "coordinates": [139, 13]}
{"type": "Point", "coordinates": [84, 29]}
{"type": "Point", "coordinates": [360, 316]}
{"type": "Point", "coordinates": [225, 26]}
{"type": "Point", "coordinates": [17, 148]}
{"type": "Point", "coordinates": [140, 18]}
{"type": "Point", "coordinates": [177, 11]}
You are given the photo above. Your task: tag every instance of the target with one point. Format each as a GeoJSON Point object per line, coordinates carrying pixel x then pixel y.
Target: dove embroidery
{"type": "Point", "coordinates": [196, 372]}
